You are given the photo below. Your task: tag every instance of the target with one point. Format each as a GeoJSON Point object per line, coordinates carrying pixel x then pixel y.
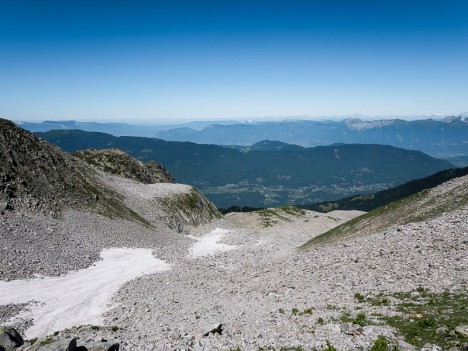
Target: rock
{"type": "Point", "coordinates": [351, 329]}
{"type": "Point", "coordinates": [404, 346]}
{"type": "Point", "coordinates": [101, 346]}
{"type": "Point", "coordinates": [416, 315]}
{"type": "Point", "coordinates": [442, 330]}
{"type": "Point", "coordinates": [50, 345]}
{"type": "Point", "coordinates": [212, 329]}
{"type": "Point", "coordinates": [72, 345]}
{"type": "Point", "coordinates": [68, 344]}
{"type": "Point", "coordinates": [10, 339]}
{"type": "Point", "coordinates": [120, 163]}
{"type": "Point", "coordinates": [462, 330]}
{"type": "Point", "coordinates": [175, 335]}
{"type": "Point", "coordinates": [431, 347]}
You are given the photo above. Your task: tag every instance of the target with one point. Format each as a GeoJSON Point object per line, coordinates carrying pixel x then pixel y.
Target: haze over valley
{"type": "Point", "coordinates": [264, 175]}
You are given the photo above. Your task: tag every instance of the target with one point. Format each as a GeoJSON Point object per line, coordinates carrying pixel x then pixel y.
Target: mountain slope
{"type": "Point", "coordinates": [422, 206]}
{"type": "Point", "coordinates": [118, 162]}
{"type": "Point", "coordinates": [58, 212]}
{"type": "Point", "coordinates": [372, 201]}
{"type": "Point", "coordinates": [268, 178]}
{"type": "Point", "coordinates": [38, 176]}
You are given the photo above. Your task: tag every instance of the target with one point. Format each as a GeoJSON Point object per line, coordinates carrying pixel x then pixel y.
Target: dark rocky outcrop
{"type": "Point", "coordinates": [38, 176]}
{"type": "Point", "coordinates": [120, 163]}
{"type": "Point", "coordinates": [11, 340]}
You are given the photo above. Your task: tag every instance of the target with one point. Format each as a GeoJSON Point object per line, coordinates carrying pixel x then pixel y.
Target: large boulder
{"type": "Point", "coordinates": [10, 339]}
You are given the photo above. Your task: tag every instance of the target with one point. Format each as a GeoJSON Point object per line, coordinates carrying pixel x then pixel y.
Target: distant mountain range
{"type": "Point", "coordinates": [116, 129]}
{"type": "Point", "coordinates": [447, 138]}
{"type": "Point", "coordinates": [442, 138]}
{"type": "Point", "coordinates": [268, 173]}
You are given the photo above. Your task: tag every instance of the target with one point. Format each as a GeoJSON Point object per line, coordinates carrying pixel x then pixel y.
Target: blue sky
{"type": "Point", "coordinates": [163, 60]}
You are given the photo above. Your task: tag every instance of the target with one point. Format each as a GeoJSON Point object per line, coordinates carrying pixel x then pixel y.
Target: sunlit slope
{"type": "Point", "coordinates": [425, 205]}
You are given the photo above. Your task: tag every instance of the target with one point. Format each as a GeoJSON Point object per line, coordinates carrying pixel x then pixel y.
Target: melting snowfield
{"type": "Point", "coordinates": [208, 244]}
{"type": "Point", "coordinates": [80, 297]}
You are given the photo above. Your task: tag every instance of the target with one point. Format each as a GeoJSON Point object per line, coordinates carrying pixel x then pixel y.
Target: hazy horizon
{"type": "Point", "coordinates": [213, 60]}
{"type": "Point", "coordinates": [164, 121]}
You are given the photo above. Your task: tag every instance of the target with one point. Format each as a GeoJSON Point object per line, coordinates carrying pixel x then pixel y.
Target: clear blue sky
{"type": "Point", "coordinates": [80, 59]}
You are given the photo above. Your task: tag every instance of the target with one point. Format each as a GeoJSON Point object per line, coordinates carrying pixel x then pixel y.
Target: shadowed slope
{"type": "Point", "coordinates": [39, 176]}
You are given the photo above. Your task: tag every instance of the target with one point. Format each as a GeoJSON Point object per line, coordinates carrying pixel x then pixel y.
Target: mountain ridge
{"type": "Point", "coordinates": [267, 178]}
{"type": "Point", "coordinates": [443, 138]}
{"type": "Point", "coordinates": [38, 176]}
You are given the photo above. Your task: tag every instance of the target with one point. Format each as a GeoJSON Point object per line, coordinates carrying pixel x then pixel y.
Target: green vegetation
{"type": "Point", "coordinates": [292, 210]}
{"type": "Point", "coordinates": [360, 319]}
{"type": "Point", "coordinates": [46, 341]}
{"type": "Point", "coordinates": [290, 348]}
{"type": "Point", "coordinates": [272, 216]}
{"type": "Point", "coordinates": [381, 301]}
{"type": "Point", "coordinates": [330, 347]}
{"type": "Point", "coordinates": [425, 317]}
{"type": "Point", "coordinates": [114, 328]}
{"type": "Point", "coordinates": [32, 341]}
{"type": "Point", "coordinates": [238, 209]}
{"type": "Point", "coordinates": [359, 297]}
{"type": "Point", "coordinates": [382, 344]}
{"type": "Point", "coordinates": [306, 311]}
{"type": "Point", "coordinates": [190, 207]}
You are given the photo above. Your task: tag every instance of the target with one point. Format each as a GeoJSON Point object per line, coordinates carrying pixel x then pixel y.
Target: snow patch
{"type": "Point", "coordinates": [363, 125]}
{"type": "Point", "coordinates": [208, 245]}
{"type": "Point", "coordinates": [80, 297]}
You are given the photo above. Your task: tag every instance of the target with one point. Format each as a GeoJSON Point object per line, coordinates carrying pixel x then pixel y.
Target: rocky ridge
{"type": "Point", "coordinates": [117, 162]}
{"type": "Point", "coordinates": [38, 176]}
{"type": "Point", "coordinates": [177, 205]}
